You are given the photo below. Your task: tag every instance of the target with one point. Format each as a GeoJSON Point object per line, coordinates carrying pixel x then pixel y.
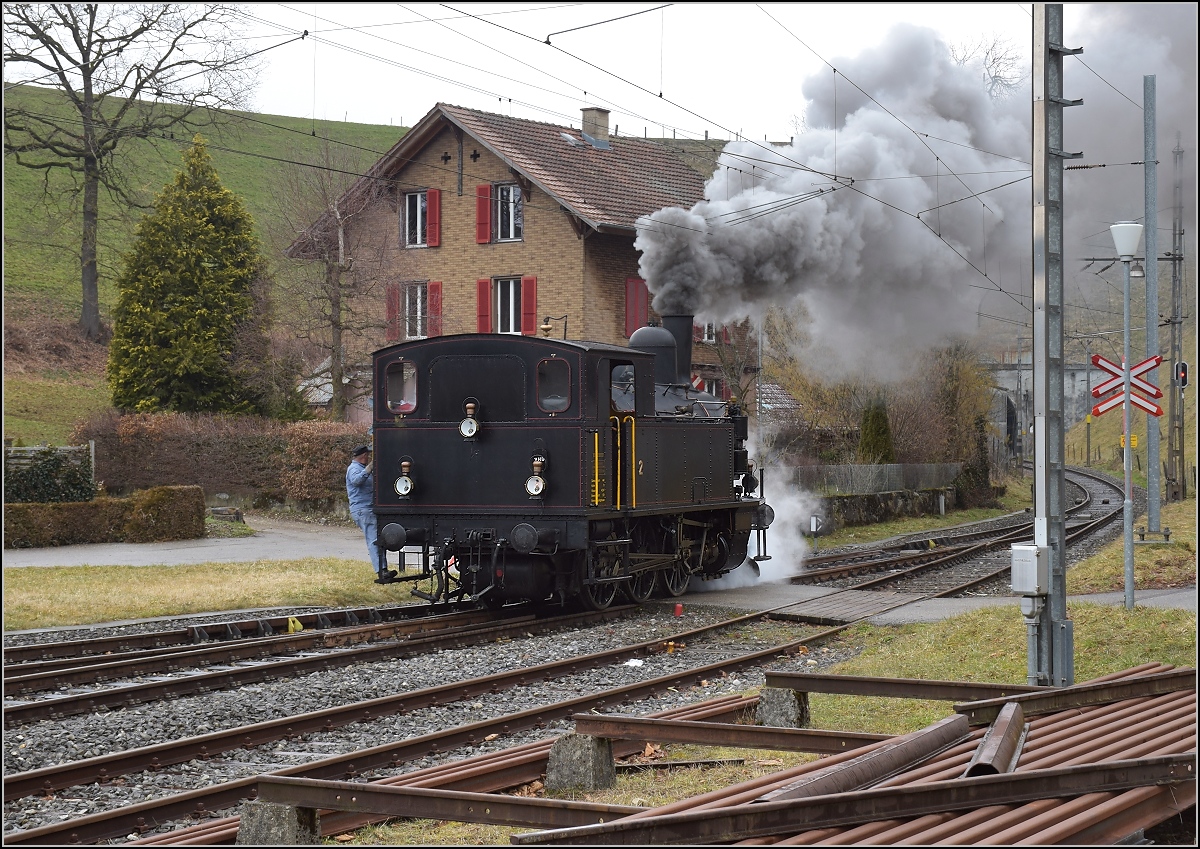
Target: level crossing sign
{"type": "Point", "coordinates": [1117, 381]}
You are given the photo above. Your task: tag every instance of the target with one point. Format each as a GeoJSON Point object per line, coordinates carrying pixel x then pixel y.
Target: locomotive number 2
{"type": "Point", "coordinates": [641, 466]}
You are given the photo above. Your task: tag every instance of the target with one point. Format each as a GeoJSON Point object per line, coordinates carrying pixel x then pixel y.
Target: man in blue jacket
{"type": "Point", "coordinates": [360, 490]}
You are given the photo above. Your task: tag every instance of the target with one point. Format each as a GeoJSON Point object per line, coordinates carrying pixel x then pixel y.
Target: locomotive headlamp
{"type": "Point", "coordinates": [536, 484]}
{"type": "Point", "coordinates": [468, 427]}
{"type": "Point", "coordinates": [404, 484]}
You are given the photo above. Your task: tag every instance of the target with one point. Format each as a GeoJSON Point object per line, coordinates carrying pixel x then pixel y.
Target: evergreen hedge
{"type": "Point", "coordinates": [154, 515]}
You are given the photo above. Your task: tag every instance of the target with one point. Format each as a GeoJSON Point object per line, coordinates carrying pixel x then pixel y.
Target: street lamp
{"type": "Point", "coordinates": [1125, 235]}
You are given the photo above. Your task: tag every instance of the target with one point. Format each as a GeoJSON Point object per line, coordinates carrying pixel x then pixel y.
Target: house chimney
{"type": "Point", "coordinates": [595, 122]}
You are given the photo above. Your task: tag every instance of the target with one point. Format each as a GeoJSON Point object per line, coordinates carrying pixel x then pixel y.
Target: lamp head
{"type": "Point", "coordinates": [1137, 270]}
{"type": "Point", "coordinates": [1126, 235]}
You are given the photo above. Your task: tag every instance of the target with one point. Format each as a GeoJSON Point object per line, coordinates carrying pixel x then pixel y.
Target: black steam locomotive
{"type": "Point", "coordinates": [543, 469]}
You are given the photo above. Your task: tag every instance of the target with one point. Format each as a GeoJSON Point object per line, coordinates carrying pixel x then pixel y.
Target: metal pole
{"type": "Point", "coordinates": [1128, 440]}
{"type": "Point", "coordinates": [1056, 635]}
{"type": "Point", "coordinates": [1087, 371]}
{"type": "Point", "coordinates": [1150, 241]}
{"type": "Point", "coordinates": [1176, 486]}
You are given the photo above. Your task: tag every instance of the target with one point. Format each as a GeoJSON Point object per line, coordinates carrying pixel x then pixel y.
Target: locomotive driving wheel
{"type": "Point", "coordinates": [640, 587]}
{"type": "Point", "coordinates": [606, 564]}
{"type": "Point", "coordinates": [676, 577]}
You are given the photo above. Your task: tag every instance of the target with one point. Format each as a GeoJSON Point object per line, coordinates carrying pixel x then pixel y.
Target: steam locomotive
{"type": "Point", "coordinates": [526, 468]}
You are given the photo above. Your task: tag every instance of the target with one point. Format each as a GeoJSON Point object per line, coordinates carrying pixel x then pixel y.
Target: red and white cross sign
{"type": "Point", "coordinates": [1118, 379]}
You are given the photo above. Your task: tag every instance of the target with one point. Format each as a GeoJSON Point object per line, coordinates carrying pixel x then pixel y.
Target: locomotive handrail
{"type": "Point", "coordinates": [596, 469]}
{"type": "Point", "coordinates": [632, 460]}
{"type": "Point", "coordinates": [617, 451]}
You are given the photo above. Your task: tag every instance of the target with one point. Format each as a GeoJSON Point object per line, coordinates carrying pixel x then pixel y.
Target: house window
{"type": "Point", "coordinates": [415, 205]}
{"type": "Point", "coordinates": [506, 305]}
{"type": "Point", "coordinates": [509, 213]}
{"type": "Point", "coordinates": [416, 310]}
{"type": "Point", "coordinates": [710, 334]}
{"type": "Point", "coordinates": [422, 216]}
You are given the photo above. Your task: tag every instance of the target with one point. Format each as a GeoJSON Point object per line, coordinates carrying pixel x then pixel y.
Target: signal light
{"type": "Point", "coordinates": [1181, 374]}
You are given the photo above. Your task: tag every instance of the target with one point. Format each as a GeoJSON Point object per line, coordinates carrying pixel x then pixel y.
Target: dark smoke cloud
{"type": "Point", "coordinates": [877, 282]}
{"type": "Point", "coordinates": [1122, 44]}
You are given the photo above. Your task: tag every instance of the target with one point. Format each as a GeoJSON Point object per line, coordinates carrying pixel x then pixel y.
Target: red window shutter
{"type": "Point", "coordinates": [725, 335]}
{"type": "Point", "coordinates": [393, 312]}
{"type": "Point", "coordinates": [726, 392]}
{"type": "Point", "coordinates": [483, 214]}
{"type": "Point", "coordinates": [697, 333]}
{"type": "Point", "coordinates": [529, 321]}
{"type": "Point", "coordinates": [483, 306]}
{"type": "Point", "coordinates": [433, 218]}
{"type": "Point", "coordinates": [433, 324]}
{"type": "Point", "coordinates": [637, 304]}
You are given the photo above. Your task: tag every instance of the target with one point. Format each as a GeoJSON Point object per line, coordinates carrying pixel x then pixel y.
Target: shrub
{"type": "Point", "coordinates": [315, 459]}
{"type": "Point", "coordinates": [154, 515]}
{"type": "Point", "coordinates": [50, 476]}
{"type": "Point", "coordinates": [165, 513]}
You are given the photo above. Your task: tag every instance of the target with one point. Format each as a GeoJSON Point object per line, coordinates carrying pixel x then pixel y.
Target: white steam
{"type": "Point", "coordinates": [879, 269]}
{"type": "Point", "coordinates": [786, 543]}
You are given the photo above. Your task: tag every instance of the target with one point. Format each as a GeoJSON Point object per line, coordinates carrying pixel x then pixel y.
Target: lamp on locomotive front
{"type": "Point", "coordinates": [468, 427]}
{"type": "Point", "coordinates": [535, 485]}
{"type": "Point", "coordinates": [404, 483]}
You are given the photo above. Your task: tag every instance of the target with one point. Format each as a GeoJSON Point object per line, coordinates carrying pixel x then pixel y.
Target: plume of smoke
{"type": "Point", "coordinates": [845, 218]}
{"type": "Point", "coordinates": [1122, 43]}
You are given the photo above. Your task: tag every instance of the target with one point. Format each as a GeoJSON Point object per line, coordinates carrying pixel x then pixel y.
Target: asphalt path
{"type": "Point", "coordinates": [276, 539]}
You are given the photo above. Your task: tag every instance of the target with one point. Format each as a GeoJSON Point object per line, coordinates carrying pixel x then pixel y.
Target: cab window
{"type": "Point", "coordinates": [553, 385]}
{"type": "Point", "coordinates": [622, 388]}
{"type": "Point", "coordinates": [402, 387]}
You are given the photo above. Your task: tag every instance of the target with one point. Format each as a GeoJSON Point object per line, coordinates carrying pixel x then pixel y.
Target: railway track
{"type": "Point", "coordinates": [178, 674]}
{"type": "Point", "coordinates": [963, 561]}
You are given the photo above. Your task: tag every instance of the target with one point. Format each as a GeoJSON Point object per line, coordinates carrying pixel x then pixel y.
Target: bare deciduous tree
{"type": "Point", "coordinates": [340, 264]}
{"type": "Point", "coordinates": [128, 72]}
{"type": "Point", "coordinates": [1000, 63]}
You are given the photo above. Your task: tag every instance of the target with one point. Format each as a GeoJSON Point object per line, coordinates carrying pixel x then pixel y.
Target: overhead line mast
{"type": "Point", "coordinates": [1050, 631]}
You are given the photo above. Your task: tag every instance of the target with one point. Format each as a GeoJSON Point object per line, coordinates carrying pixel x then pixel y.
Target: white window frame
{"type": "Point", "coordinates": [416, 310]}
{"type": "Point", "coordinates": [509, 199]}
{"type": "Point", "coordinates": [416, 203]}
{"type": "Point", "coordinates": [506, 305]}
{"type": "Point", "coordinates": [710, 334]}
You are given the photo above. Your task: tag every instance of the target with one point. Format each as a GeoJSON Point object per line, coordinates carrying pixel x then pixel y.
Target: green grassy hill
{"type": "Point", "coordinates": [52, 378]}
{"type": "Point", "coordinates": [41, 223]}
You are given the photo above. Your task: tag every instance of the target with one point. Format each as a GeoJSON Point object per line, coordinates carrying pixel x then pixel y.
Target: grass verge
{"type": "Point", "coordinates": [46, 597]}
{"type": "Point", "coordinates": [1155, 567]}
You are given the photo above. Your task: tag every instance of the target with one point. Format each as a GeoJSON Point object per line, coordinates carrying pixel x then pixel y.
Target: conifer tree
{"type": "Point", "coordinates": [875, 437]}
{"type": "Point", "coordinates": [190, 308]}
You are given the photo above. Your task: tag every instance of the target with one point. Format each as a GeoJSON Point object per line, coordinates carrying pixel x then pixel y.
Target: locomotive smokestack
{"type": "Point", "coordinates": [681, 328]}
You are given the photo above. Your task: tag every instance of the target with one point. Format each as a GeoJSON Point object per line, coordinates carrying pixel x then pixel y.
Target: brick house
{"type": "Point", "coordinates": [484, 223]}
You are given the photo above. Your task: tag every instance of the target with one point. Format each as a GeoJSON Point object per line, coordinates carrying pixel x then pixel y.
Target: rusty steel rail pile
{"type": "Point", "coordinates": [1094, 764]}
